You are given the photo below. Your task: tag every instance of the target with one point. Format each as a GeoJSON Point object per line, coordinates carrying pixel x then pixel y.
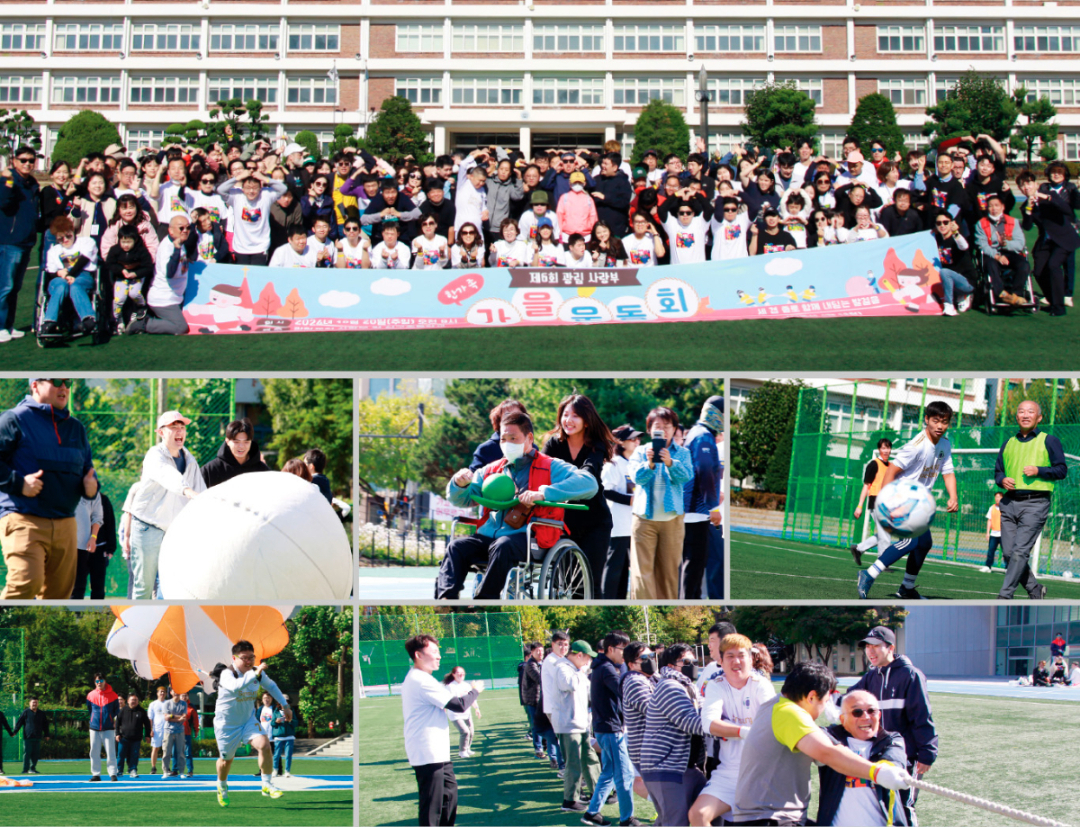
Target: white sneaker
{"type": "Point", "coordinates": [1068, 301]}
{"type": "Point", "coordinates": [964, 304]}
{"type": "Point", "coordinates": [164, 776]}
{"type": "Point", "coordinates": [133, 774]}
{"type": "Point", "coordinates": [18, 334]}
{"type": "Point", "coordinates": [948, 310]}
{"type": "Point", "coordinates": [463, 755]}
{"type": "Point", "coordinates": [985, 570]}
{"type": "Point", "coordinates": [5, 336]}
{"type": "Point", "coordinates": [288, 774]}
{"type": "Point", "coordinates": [1045, 302]}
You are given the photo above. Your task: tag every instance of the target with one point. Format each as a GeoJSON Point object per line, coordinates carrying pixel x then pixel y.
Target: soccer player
{"type": "Point", "coordinates": [923, 459]}
{"type": "Point", "coordinates": [873, 479]}
{"type": "Point", "coordinates": [236, 721]}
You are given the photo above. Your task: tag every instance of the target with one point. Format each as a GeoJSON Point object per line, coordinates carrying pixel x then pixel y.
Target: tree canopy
{"type": "Point", "coordinates": [978, 104]}
{"type": "Point", "coordinates": [84, 132]}
{"type": "Point", "coordinates": [875, 120]}
{"type": "Point", "coordinates": [779, 115]}
{"type": "Point", "coordinates": [397, 132]}
{"type": "Point", "coordinates": [661, 127]}
{"type": "Point", "coordinates": [314, 413]}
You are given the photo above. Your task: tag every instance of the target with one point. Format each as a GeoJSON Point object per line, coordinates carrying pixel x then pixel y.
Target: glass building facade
{"type": "Point", "coordinates": [1024, 633]}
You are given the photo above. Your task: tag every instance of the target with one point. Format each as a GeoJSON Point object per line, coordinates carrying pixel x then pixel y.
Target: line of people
{"type": "Point", "coordinates": [652, 528]}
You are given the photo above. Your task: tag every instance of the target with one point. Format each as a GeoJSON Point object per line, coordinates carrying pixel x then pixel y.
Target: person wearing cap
{"type": "Point", "coordinates": [771, 238]}
{"type": "Point", "coordinates": [901, 692]}
{"type": "Point", "coordinates": [1029, 466]}
{"type": "Point", "coordinates": [686, 228]}
{"type": "Point", "coordinates": [557, 179]}
{"type": "Point", "coordinates": [619, 492]}
{"type": "Point", "coordinates": [170, 477]}
{"type": "Point", "coordinates": [296, 176]}
{"type": "Point", "coordinates": [850, 800]}
{"type": "Point", "coordinates": [388, 204]}
{"type": "Point", "coordinates": [547, 251]}
{"type": "Point", "coordinates": [46, 467]}
{"type": "Point", "coordinates": [701, 498]}
{"type": "Point", "coordinates": [576, 210]}
{"type": "Point", "coordinates": [570, 720]}
{"type": "Point", "coordinates": [20, 208]}
{"type": "Point", "coordinates": [855, 169]}
{"type": "Point", "coordinates": [783, 744]}
{"type": "Point", "coordinates": [539, 208]}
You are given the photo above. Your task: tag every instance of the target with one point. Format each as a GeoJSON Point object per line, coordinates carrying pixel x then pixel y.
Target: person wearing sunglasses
{"type": "Point", "coordinates": [430, 250]}
{"type": "Point", "coordinates": [845, 800]}
{"type": "Point", "coordinates": [19, 208]}
{"type": "Point", "coordinates": [954, 265]}
{"type": "Point", "coordinates": [208, 198]}
{"type": "Point", "coordinates": [468, 250]}
{"type": "Point", "coordinates": [354, 249]}
{"type": "Point", "coordinates": [895, 679]}
{"type": "Point", "coordinates": [70, 269]}
{"type": "Point", "coordinates": [686, 229]}
{"type": "Point", "coordinates": [104, 705]}
{"type": "Point", "coordinates": [47, 466]}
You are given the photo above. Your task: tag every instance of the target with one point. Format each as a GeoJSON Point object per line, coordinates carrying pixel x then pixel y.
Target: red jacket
{"type": "Point", "coordinates": [539, 474]}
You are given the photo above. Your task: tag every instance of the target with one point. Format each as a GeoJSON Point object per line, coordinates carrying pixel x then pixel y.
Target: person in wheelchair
{"type": "Point", "coordinates": [70, 269]}
{"type": "Point", "coordinates": [497, 541]}
{"type": "Point", "coordinates": [1001, 242]}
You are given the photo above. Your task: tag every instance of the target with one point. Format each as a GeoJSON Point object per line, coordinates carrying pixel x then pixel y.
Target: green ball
{"type": "Point", "coordinates": [499, 487]}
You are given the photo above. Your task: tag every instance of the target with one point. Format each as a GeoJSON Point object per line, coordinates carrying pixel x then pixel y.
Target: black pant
{"type": "Point", "coordinates": [995, 271]}
{"type": "Point", "coordinates": [615, 580]}
{"type": "Point", "coordinates": [501, 554]}
{"type": "Point", "coordinates": [1050, 274]}
{"type": "Point", "coordinates": [438, 794]}
{"type": "Point", "coordinates": [593, 542]}
{"type": "Point", "coordinates": [255, 259]}
{"type": "Point", "coordinates": [93, 566]}
{"type": "Point", "coordinates": [31, 754]}
{"type": "Point", "coordinates": [991, 552]}
{"type": "Point", "coordinates": [695, 554]}
{"type": "Point", "coordinates": [127, 752]}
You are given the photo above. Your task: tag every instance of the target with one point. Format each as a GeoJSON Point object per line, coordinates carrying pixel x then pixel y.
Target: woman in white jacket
{"type": "Point", "coordinates": [170, 477]}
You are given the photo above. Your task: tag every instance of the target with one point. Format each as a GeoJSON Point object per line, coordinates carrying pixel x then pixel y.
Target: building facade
{"type": "Point", "coordinates": [530, 74]}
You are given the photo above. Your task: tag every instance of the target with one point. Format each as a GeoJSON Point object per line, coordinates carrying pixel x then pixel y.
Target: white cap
{"type": "Point", "coordinates": [293, 147]}
{"type": "Point", "coordinates": [169, 417]}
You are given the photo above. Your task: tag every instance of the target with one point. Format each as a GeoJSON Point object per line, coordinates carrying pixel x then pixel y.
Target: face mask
{"type": "Point", "coordinates": [577, 188]}
{"type": "Point", "coordinates": [648, 666]}
{"type": "Point", "coordinates": [513, 451]}
{"type": "Point", "coordinates": [690, 669]}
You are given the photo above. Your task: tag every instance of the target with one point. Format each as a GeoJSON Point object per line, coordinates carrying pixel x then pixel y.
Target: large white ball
{"type": "Point", "coordinates": [905, 508]}
{"type": "Point", "coordinates": [262, 536]}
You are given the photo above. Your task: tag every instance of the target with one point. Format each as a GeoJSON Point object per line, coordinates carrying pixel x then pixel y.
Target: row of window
{"type": "Point", "coordinates": [106, 89]}
{"type": "Point", "coordinates": [171, 37]}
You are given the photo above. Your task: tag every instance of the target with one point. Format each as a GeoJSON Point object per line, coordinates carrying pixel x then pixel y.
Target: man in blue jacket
{"type": "Point", "coordinates": [905, 705]}
{"type": "Point", "coordinates": [45, 469]}
{"type": "Point", "coordinates": [701, 502]}
{"type": "Point", "coordinates": [19, 208]}
{"type": "Point", "coordinates": [849, 799]}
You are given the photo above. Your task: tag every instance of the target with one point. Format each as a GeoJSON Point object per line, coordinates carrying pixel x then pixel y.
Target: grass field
{"type": "Point", "coordinates": [767, 568]}
{"type": "Point", "coordinates": [1012, 344]}
{"type": "Point", "coordinates": [505, 785]}
{"type": "Point", "coordinates": [182, 809]}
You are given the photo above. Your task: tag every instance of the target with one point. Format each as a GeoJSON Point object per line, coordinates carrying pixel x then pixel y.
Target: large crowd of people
{"type": "Point", "coordinates": [652, 527]}
{"type": "Point", "coordinates": [136, 221]}
{"type": "Point", "coordinates": [59, 531]}
{"type": "Point", "coordinates": [704, 744]}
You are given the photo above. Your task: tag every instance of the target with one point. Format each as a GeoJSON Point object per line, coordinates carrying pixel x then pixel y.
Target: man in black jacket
{"type": "Point", "coordinates": [1057, 240]}
{"type": "Point", "coordinates": [848, 800]}
{"type": "Point", "coordinates": [34, 724]}
{"type": "Point", "coordinates": [132, 726]}
{"type": "Point", "coordinates": [605, 697]}
{"type": "Point", "coordinates": [19, 208]}
{"type": "Point", "coordinates": [613, 194]}
{"type": "Point", "coordinates": [530, 691]}
{"type": "Point", "coordinates": [239, 454]}
{"type": "Point", "coordinates": [4, 727]}
{"type": "Point", "coordinates": [898, 218]}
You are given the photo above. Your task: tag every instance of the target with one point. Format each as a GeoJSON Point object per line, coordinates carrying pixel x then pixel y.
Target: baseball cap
{"type": "Point", "coordinates": [291, 148]}
{"type": "Point", "coordinates": [115, 151]}
{"type": "Point", "coordinates": [544, 221]}
{"type": "Point", "coordinates": [640, 172]}
{"type": "Point", "coordinates": [538, 197]}
{"type": "Point", "coordinates": [582, 647]}
{"type": "Point", "coordinates": [879, 635]}
{"type": "Point", "coordinates": [625, 432]}
{"type": "Point", "coordinates": [652, 152]}
{"type": "Point", "coordinates": [577, 177]}
{"type": "Point", "coordinates": [568, 156]}
{"type": "Point", "coordinates": [770, 211]}
{"type": "Point", "coordinates": [855, 157]}
{"type": "Point", "coordinates": [169, 417]}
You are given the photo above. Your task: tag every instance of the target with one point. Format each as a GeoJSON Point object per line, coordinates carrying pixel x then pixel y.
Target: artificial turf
{"type": "Point", "coordinates": [505, 785]}
{"type": "Point", "coordinates": [1014, 344]}
{"type": "Point", "coordinates": [179, 809]}
{"type": "Point", "coordinates": [768, 568]}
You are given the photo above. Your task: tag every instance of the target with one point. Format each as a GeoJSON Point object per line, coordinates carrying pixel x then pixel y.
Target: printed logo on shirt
{"type": "Point", "coordinates": [69, 259]}
{"type": "Point", "coordinates": [939, 199]}
{"type": "Point", "coordinates": [507, 262]}
{"type": "Point", "coordinates": [982, 197]}
{"type": "Point", "coordinates": [796, 228]}
{"type": "Point", "coordinates": [684, 241]}
{"type": "Point", "coordinates": [206, 249]}
{"type": "Point", "coordinates": [176, 205]}
{"type": "Point", "coordinates": [548, 261]}
{"type": "Point", "coordinates": [532, 232]}
{"type": "Point", "coordinates": [732, 232]}
{"type": "Point", "coordinates": [856, 783]}
{"type": "Point", "coordinates": [640, 256]}
{"type": "Point", "coordinates": [353, 264]}
{"type": "Point", "coordinates": [431, 257]}
{"type": "Point", "coordinates": [774, 248]}
{"type": "Point", "coordinates": [252, 214]}
{"type": "Point", "coordinates": [215, 213]}
{"type": "Point", "coordinates": [945, 254]}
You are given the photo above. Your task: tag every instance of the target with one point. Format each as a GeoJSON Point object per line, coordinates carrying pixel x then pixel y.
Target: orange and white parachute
{"type": "Point", "coordinates": [186, 642]}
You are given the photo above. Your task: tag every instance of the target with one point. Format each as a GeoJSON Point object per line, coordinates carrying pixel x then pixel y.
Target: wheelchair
{"type": "Point", "coordinates": [558, 573]}
{"type": "Point", "coordinates": [69, 324]}
{"type": "Point", "coordinates": [989, 298]}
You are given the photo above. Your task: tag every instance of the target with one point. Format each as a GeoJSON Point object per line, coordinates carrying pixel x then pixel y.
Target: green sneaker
{"type": "Point", "coordinates": [270, 791]}
{"type": "Point", "coordinates": [223, 797]}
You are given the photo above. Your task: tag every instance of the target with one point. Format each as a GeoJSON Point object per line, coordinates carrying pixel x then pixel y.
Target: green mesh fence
{"type": "Point", "coordinates": [836, 434]}
{"type": "Point", "coordinates": [487, 644]}
{"type": "Point", "coordinates": [12, 685]}
{"type": "Point", "coordinates": [119, 416]}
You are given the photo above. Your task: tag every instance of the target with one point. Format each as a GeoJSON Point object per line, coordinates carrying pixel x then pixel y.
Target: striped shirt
{"type": "Point", "coordinates": [637, 690]}
{"type": "Point", "coordinates": [673, 716]}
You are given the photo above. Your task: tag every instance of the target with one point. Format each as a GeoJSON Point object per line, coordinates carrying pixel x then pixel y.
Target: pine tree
{"type": "Point", "coordinates": [978, 104]}
{"type": "Point", "coordinates": [397, 132]}
{"type": "Point", "coordinates": [779, 115]}
{"type": "Point", "coordinates": [661, 127]}
{"type": "Point", "coordinates": [84, 132]}
{"type": "Point", "coordinates": [875, 120]}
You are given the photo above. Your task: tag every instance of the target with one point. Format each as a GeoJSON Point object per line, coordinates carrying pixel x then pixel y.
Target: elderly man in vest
{"type": "Point", "coordinates": [499, 540]}
{"type": "Point", "coordinates": [1028, 466]}
{"type": "Point", "coordinates": [45, 469]}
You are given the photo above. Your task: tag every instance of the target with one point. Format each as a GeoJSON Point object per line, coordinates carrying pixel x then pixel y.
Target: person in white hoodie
{"type": "Point", "coordinates": [170, 477]}
{"type": "Point", "coordinates": [570, 720]}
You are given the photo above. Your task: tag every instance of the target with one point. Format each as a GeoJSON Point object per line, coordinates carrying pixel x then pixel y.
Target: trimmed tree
{"type": "Point", "coordinates": [17, 128]}
{"type": "Point", "coordinates": [397, 132]}
{"type": "Point", "coordinates": [875, 120]}
{"type": "Point", "coordinates": [309, 141]}
{"type": "Point", "coordinates": [779, 115]}
{"type": "Point", "coordinates": [344, 135]}
{"type": "Point", "coordinates": [227, 122]}
{"type": "Point", "coordinates": [662, 127]}
{"type": "Point", "coordinates": [84, 132]}
{"type": "Point", "coordinates": [1038, 129]}
{"type": "Point", "coordinates": [977, 104]}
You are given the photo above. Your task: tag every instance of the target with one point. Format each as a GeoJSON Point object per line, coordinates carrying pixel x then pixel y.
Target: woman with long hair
{"type": "Point", "coordinates": [128, 212]}
{"type": "Point", "coordinates": [581, 438]}
{"type": "Point", "coordinates": [619, 491]}
{"type": "Point", "coordinates": [456, 683]}
{"type": "Point", "coordinates": [55, 199]}
{"type": "Point", "coordinates": [468, 249]}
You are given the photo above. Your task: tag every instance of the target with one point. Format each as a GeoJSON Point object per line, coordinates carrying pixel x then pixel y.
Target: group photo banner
{"type": "Point", "coordinates": [883, 277]}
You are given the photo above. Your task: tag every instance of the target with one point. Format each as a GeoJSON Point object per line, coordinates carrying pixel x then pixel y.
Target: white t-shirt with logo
{"type": "Point", "coordinates": [729, 238]}
{"type": "Point", "coordinates": [391, 262]}
{"type": "Point", "coordinates": [251, 220]}
{"type": "Point", "coordinates": [505, 254]}
{"type": "Point", "coordinates": [527, 224]}
{"type": "Point", "coordinates": [552, 255]}
{"type": "Point", "coordinates": [920, 460]}
{"type": "Point", "coordinates": [64, 258]}
{"type": "Point", "coordinates": [859, 805]}
{"type": "Point", "coordinates": [170, 204]}
{"type": "Point", "coordinates": [427, 729]}
{"type": "Point", "coordinates": [687, 241]}
{"type": "Point", "coordinates": [286, 256]}
{"type": "Point", "coordinates": [640, 252]}
{"type": "Point", "coordinates": [426, 253]}
{"type": "Point", "coordinates": [212, 203]}
{"type": "Point", "coordinates": [354, 256]}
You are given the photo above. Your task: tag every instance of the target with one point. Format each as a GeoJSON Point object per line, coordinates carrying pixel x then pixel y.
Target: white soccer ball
{"type": "Point", "coordinates": [261, 536]}
{"type": "Point", "coordinates": [905, 508]}
{"type": "Point", "coordinates": [1068, 575]}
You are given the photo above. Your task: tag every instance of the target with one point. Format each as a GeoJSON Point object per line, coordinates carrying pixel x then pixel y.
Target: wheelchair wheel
{"type": "Point", "coordinates": [565, 573]}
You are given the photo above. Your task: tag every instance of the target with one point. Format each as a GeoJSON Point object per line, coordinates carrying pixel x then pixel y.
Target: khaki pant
{"type": "Point", "coordinates": [656, 552]}
{"type": "Point", "coordinates": [42, 557]}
